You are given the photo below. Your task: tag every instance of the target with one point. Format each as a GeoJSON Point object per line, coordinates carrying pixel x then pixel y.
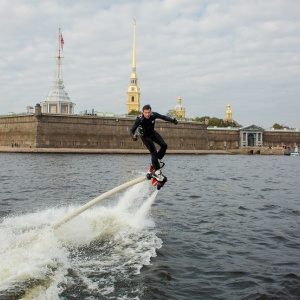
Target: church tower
{"type": "Point", "coordinates": [133, 91]}
{"type": "Point", "coordinates": [179, 111]}
{"type": "Point", "coordinates": [58, 100]}
{"type": "Point", "coordinates": [228, 114]}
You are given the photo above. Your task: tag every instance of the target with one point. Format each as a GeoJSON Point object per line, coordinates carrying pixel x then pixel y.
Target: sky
{"type": "Point", "coordinates": [211, 53]}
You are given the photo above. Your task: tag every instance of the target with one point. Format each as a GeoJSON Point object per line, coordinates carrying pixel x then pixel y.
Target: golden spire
{"type": "Point", "coordinates": [133, 91]}
{"type": "Point", "coordinates": [134, 48]}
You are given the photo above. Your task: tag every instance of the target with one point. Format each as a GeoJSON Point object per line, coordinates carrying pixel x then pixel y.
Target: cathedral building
{"type": "Point", "coordinates": [133, 91]}
{"type": "Point", "coordinates": [179, 110]}
{"type": "Point", "coordinates": [228, 114]}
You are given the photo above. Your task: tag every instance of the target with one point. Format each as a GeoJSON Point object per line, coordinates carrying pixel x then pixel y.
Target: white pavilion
{"type": "Point", "coordinates": [58, 100]}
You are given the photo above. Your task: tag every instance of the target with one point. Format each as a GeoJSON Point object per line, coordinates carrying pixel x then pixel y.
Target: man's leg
{"type": "Point", "coordinates": [152, 149]}
{"type": "Point", "coordinates": [157, 138]}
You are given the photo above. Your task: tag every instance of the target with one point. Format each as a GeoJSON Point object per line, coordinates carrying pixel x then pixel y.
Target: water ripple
{"type": "Point", "coordinates": [229, 232]}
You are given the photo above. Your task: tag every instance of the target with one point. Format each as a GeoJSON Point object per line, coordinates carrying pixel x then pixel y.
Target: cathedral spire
{"type": "Point", "coordinates": [134, 48]}
{"type": "Point", "coordinates": [133, 91]}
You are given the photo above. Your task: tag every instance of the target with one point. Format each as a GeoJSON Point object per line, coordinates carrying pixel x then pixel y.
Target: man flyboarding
{"type": "Point", "coordinates": [144, 124]}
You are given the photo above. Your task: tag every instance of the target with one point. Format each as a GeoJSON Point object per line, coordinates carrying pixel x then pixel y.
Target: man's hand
{"type": "Point", "coordinates": [134, 137]}
{"type": "Point", "coordinates": [175, 121]}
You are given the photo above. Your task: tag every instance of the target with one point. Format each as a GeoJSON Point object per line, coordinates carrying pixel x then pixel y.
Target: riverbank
{"type": "Point", "coordinates": [4, 149]}
{"type": "Point", "coordinates": [246, 150]}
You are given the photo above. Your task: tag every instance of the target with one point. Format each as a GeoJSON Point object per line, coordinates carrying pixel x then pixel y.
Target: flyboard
{"type": "Point", "coordinates": [158, 181]}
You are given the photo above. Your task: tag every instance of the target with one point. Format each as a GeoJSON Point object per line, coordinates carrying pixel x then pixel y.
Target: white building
{"type": "Point", "coordinates": [58, 100]}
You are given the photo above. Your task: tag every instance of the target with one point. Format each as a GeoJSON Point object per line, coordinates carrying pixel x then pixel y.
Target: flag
{"type": "Point", "coordinates": [62, 42]}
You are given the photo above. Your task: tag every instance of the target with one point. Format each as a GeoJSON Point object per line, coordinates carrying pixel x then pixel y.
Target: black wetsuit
{"type": "Point", "coordinates": [149, 136]}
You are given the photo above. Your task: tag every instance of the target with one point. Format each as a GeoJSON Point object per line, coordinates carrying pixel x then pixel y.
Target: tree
{"type": "Point", "coordinates": [278, 126]}
{"type": "Point", "coordinates": [134, 112]}
{"type": "Point", "coordinates": [200, 119]}
{"type": "Point", "coordinates": [217, 122]}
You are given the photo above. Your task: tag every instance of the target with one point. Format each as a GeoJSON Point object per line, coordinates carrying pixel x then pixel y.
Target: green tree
{"type": "Point", "coordinates": [278, 126]}
{"type": "Point", "coordinates": [216, 122]}
{"type": "Point", "coordinates": [200, 119]}
{"type": "Point", "coordinates": [134, 112]}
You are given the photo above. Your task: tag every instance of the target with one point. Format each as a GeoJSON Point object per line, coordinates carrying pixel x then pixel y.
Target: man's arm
{"type": "Point", "coordinates": [134, 127]}
{"type": "Point", "coordinates": [165, 118]}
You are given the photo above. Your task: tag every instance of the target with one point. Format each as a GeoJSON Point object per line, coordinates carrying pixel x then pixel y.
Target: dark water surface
{"type": "Point", "coordinates": [223, 227]}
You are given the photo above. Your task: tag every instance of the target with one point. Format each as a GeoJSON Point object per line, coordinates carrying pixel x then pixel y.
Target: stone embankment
{"type": "Point", "coordinates": [245, 151]}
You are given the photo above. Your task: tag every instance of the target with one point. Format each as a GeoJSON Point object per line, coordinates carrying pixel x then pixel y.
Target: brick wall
{"type": "Point", "coordinates": [281, 137]}
{"type": "Point", "coordinates": [94, 132]}
{"type": "Point", "coordinates": [64, 131]}
{"type": "Point", "coordinates": [18, 131]}
{"type": "Point", "coordinates": [222, 138]}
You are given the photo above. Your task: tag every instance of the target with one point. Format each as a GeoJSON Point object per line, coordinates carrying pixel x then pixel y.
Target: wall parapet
{"type": "Point", "coordinates": [112, 132]}
{"type": "Point", "coordinates": [93, 132]}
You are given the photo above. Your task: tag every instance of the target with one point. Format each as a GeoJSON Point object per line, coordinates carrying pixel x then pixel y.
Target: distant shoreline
{"type": "Point", "coordinates": [244, 151]}
{"type": "Point", "coordinates": [4, 149]}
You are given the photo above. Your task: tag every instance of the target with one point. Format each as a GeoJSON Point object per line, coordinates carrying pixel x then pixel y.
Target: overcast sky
{"type": "Point", "coordinates": [209, 52]}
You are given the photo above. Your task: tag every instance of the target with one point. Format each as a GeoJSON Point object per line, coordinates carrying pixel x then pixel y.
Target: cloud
{"type": "Point", "coordinates": [211, 53]}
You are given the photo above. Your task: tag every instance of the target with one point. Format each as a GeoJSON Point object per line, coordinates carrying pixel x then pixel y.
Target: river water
{"type": "Point", "coordinates": [223, 227]}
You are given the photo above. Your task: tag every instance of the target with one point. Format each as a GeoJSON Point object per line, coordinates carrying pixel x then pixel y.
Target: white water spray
{"type": "Point", "coordinates": [142, 212]}
{"type": "Point", "coordinates": [98, 199]}
{"type": "Point", "coordinates": [122, 234]}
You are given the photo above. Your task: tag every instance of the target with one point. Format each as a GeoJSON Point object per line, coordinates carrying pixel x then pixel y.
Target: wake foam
{"type": "Point", "coordinates": [97, 249]}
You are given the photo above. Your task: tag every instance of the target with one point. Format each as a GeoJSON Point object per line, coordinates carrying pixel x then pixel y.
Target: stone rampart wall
{"type": "Point", "coordinates": [281, 137]}
{"type": "Point", "coordinates": [56, 131]}
{"type": "Point", "coordinates": [94, 132]}
{"type": "Point", "coordinates": [222, 139]}
{"type": "Point", "coordinates": [18, 131]}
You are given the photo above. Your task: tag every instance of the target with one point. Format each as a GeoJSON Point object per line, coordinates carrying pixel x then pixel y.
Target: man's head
{"type": "Point", "coordinates": [147, 111]}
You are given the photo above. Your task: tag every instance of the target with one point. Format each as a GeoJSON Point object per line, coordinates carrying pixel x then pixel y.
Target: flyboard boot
{"type": "Point", "coordinates": [151, 169]}
{"type": "Point", "coordinates": [156, 176]}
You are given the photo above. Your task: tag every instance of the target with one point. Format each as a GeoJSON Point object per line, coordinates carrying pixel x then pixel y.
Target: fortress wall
{"type": "Point", "coordinates": [223, 139]}
{"type": "Point", "coordinates": [79, 132]}
{"type": "Point", "coordinates": [18, 130]}
{"type": "Point", "coordinates": [184, 135]}
{"type": "Point", "coordinates": [112, 133]}
{"type": "Point", "coordinates": [281, 137]}
{"type": "Point", "coordinates": [94, 132]}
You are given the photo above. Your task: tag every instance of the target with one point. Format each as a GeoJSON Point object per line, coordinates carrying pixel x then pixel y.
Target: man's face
{"type": "Point", "coordinates": [147, 113]}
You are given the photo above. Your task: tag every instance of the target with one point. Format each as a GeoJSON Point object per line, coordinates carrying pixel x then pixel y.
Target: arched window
{"type": "Point", "coordinates": [132, 98]}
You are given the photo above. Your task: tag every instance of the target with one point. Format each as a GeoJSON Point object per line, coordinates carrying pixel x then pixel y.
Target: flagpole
{"type": "Point", "coordinates": [58, 57]}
